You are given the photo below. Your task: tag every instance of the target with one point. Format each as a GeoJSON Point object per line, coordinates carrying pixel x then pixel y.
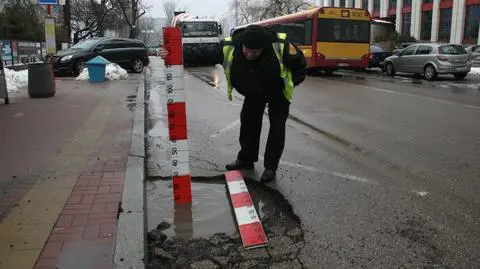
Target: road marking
{"type": "Point", "coordinates": [406, 94]}
{"type": "Point", "coordinates": [421, 193]}
{"type": "Point", "coordinates": [351, 177]}
{"type": "Point", "coordinates": [230, 126]}
{"type": "Point", "coordinates": [335, 174]}
{"type": "Point", "coordinates": [228, 104]}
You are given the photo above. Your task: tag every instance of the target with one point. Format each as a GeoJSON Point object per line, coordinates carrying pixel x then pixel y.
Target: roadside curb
{"type": "Point", "coordinates": [130, 247]}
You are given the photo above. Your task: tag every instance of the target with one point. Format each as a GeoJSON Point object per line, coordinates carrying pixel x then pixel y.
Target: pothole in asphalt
{"type": "Point", "coordinates": [204, 234]}
{"type": "Point", "coordinates": [208, 214]}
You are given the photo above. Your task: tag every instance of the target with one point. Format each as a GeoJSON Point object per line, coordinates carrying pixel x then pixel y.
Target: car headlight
{"type": "Point", "coordinates": [66, 58]}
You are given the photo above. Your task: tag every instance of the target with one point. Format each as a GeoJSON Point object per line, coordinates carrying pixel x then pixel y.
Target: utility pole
{"type": "Point", "coordinates": [67, 18]}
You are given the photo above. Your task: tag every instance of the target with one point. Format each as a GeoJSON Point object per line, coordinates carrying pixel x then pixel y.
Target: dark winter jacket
{"type": "Point", "coordinates": [260, 77]}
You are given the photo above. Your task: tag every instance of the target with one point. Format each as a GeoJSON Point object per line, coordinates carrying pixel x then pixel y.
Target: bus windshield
{"type": "Point", "coordinates": [200, 29]}
{"type": "Point", "coordinates": [343, 31]}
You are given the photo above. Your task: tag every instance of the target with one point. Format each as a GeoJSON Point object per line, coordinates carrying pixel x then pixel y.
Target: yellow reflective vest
{"type": "Point", "coordinates": [278, 48]}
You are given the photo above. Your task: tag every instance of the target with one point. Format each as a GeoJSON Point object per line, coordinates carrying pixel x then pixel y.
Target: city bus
{"type": "Point", "coordinates": [330, 38]}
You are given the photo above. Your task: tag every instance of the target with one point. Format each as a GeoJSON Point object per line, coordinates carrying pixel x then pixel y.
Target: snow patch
{"type": "Point", "coordinates": [112, 72]}
{"type": "Point", "coordinates": [475, 70]}
{"type": "Point", "coordinates": [16, 79]}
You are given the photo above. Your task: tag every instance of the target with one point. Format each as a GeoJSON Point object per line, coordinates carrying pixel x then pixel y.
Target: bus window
{"type": "Point", "coordinates": [279, 28]}
{"type": "Point", "coordinates": [300, 32]}
{"type": "Point", "coordinates": [345, 31]}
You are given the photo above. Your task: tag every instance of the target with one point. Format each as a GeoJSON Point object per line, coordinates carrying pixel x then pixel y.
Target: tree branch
{"type": "Point", "coordinates": [122, 7]}
{"type": "Point", "coordinates": [141, 14]}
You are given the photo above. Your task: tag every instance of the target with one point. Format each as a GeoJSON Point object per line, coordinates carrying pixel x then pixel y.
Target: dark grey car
{"type": "Point", "coordinates": [430, 59]}
{"type": "Point", "coordinates": [130, 54]}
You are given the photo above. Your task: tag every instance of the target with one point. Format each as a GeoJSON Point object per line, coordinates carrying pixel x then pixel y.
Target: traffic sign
{"type": "Point", "coordinates": [48, 2]}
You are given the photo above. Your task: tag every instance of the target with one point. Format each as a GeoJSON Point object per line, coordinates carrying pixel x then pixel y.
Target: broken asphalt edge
{"type": "Point", "coordinates": [130, 248]}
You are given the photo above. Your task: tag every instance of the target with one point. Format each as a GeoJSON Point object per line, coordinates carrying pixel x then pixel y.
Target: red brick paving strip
{"type": "Point", "coordinates": [90, 215]}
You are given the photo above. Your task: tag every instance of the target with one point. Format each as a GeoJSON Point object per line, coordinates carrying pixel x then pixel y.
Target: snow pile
{"type": "Point", "coordinates": [475, 70]}
{"type": "Point", "coordinates": [15, 79]}
{"type": "Point", "coordinates": [83, 75]}
{"type": "Point", "coordinates": [112, 72]}
{"type": "Point", "coordinates": [115, 72]}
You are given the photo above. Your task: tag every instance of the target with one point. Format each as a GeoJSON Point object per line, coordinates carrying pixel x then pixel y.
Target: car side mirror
{"type": "Point", "coordinates": [220, 31]}
{"type": "Point", "coordinates": [97, 49]}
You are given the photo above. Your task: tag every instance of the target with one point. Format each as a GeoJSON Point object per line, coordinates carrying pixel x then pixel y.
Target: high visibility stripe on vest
{"type": "Point", "coordinates": [278, 48]}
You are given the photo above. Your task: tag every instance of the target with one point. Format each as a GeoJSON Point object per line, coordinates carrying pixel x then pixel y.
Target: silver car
{"type": "Point", "coordinates": [430, 59]}
{"type": "Point", "coordinates": [474, 55]}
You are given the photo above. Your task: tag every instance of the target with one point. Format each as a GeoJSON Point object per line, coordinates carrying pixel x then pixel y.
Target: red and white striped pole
{"type": "Point", "coordinates": [249, 224]}
{"type": "Point", "coordinates": [177, 115]}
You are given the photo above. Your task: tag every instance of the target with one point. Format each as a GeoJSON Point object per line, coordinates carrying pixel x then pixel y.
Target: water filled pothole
{"type": "Point", "coordinates": [208, 214]}
{"type": "Point", "coordinates": [204, 234]}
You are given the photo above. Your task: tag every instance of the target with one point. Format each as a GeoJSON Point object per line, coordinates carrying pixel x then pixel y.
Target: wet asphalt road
{"type": "Point", "coordinates": [394, 184]}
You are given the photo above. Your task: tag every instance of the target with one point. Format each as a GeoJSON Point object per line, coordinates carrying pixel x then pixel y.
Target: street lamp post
{"type": "Point", "coordinates": [236, 13]}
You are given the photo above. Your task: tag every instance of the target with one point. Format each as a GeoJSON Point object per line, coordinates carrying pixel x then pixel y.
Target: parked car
{"type": "Point", "coordinates": [153, 51]}
{"type": "Point", "coordinates": [130, 54]}
{"type": "Point", "coordinates": [377, 56]}
{"type": "Point", "coordinates": [474, 55]}
{"type": "Point", "coordinates": [403, 46]}
{"type": "Point", "coordinates": [472, 48]}
{"type": "Point", "coordinates": [431, 59]}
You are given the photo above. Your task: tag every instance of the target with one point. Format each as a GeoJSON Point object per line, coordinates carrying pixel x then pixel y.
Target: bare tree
{"type": "Point", "coordinates": [170, 7]}
{"type": "Point", "coordinates": [283, 7]}
{"type": "Point", "coordinates": [88, 17]}
{"type": "Point", "coordinates": [131, 11]}
{"type": "Point", "coordinates": [249, 11]}
{"type": "Point", "coordinates": [146, 29]}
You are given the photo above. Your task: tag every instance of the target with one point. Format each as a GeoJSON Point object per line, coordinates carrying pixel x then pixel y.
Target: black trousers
{"type": "Point", "coordinates": [251, 127]}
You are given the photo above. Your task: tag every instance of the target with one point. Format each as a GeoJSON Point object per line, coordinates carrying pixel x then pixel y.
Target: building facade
{"type": "Point", "coordinates": [454, 21]}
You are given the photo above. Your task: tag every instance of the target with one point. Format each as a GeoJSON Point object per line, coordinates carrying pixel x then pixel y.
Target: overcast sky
{"type": "Point", "coordinates": [202, 8]}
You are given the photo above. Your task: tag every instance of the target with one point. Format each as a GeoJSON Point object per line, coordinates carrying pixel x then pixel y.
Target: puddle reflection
{"type": "Point", "coordinates": [209, 213]}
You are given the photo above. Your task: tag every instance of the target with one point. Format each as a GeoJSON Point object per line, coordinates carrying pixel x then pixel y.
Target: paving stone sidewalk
{"type": "Point", "coordinates": [62, 164]}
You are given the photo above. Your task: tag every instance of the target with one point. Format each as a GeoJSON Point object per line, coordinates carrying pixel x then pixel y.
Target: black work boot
{"type": "Point", "coordinates": [268, 175]}
{"type": "Point", "coordinates": [238, 164]}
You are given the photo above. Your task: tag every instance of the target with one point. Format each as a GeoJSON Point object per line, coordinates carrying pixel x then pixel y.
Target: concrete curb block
{"type": "Point", "coordinates": [130, 247]}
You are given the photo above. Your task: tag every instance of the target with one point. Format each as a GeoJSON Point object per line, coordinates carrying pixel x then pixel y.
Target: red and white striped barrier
{"type": "Point", "coordinates": [249, 224]}
{"type": "Point", "coordinates": [177, 115]}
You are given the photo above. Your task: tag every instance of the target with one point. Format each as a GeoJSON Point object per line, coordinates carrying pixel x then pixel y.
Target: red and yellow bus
{"type": "Point", "coordinates": [329, 37]}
